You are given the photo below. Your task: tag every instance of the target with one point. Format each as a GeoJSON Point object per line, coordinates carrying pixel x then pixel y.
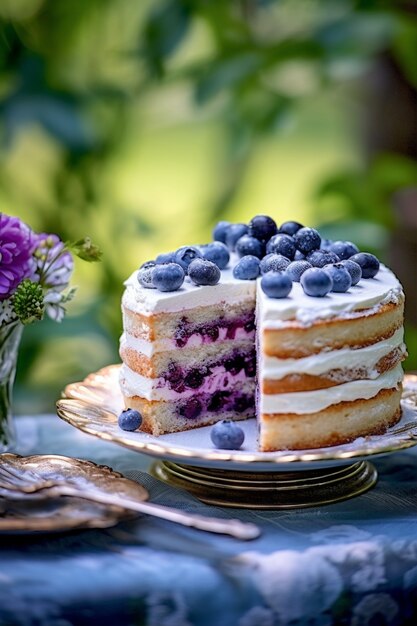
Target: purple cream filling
{"type": "Point", "coordinates": [212, 331]}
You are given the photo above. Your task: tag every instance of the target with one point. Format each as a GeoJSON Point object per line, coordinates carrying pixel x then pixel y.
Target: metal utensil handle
{"type": "Point", "coordinates": [234, 527]}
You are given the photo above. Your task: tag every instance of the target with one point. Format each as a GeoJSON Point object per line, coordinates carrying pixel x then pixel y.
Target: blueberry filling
{"type": "Point", "coordinates": [210, 332]}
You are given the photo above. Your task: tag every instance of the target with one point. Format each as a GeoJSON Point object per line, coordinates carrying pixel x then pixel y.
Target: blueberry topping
{"type": "Point", "coordinates": [250, 245]}
{"type": "Point", "coordinates": [147, 265]}
{"type": "Point", "coordinates": [185, 255]}
{"type": "Point", "coordinates": [320, 258]}
{"type": "Point", "coordinates": [296, 269]}
{"type": "Point", "coordinates": [307, 239]}
{"type": "Point", "coordinates": [290, 228]}
{"type": "Point", "coordinates": [217, 253]}
{"type": "Point", "coordinates": [276, 285]}
{"type": "Point", "coordinates": [274, 263]}
{"type": "Point", "coordinates": [165, 257]}
{"type": "Point", "coordinates": [204, 272]}
{"type": "Point", "coordinates": [145, 277]}
{"type": "Point", "coordinates": [262, 227]}
{"type": "Point", "coordinates": [368, 262]}
{"type": "Point", "coordinates": [168, 277]}
{"type": "Point", "coordinates": [233, 233]}
{"type": "Point", "coordinates": [281, 244]}
{"type": "Point", "coordinates": [340, 277]}
{"type": "Point", "coordinates": [191, 408]}
{"type": "Point", "coordinates": [219, 231]}
{"type": "Point", "coordinates": [227, 435]}
{"type": "Point", "coordinates": [247, 268]}
{"type": "Point", "coordinates": [326, 244]}
{"type": "Point", "coordinates": [316, 282]}
{"type": "Point", "coordinates": [299, 256]}
{"type": "Point", "coordinates": [129, 419]}
{"type": "Point", "coordinates": [344, 249]}
{"type": "Point", "coordinates": [354, 270]}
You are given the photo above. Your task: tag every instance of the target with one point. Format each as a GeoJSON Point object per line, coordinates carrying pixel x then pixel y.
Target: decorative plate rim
{"type": "Point", "coordinates": [71, 404]}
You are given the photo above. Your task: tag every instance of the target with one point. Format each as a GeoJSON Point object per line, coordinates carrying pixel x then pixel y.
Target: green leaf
{"type": "Point", "coordinates": [85, 250]}
{"type": "Point", "coordinates": [225, 73]}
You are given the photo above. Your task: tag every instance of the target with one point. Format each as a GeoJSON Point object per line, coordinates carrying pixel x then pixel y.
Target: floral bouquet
{"type": "Point", "coordinates": [35, 271]}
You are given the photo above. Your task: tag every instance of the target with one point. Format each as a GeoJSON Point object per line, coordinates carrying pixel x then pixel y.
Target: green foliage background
{"type": "Point", "coordinates": [142, 123]}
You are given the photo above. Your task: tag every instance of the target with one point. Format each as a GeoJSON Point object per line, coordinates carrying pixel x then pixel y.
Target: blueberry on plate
{"type": "Point", "coordinates": [247, 268]}
{"type": "Point", "coordinates": [276, 285]}
{"type": "Point", "coordinates": [274, 263]}
{"type": "Point", "coordinates": [316, 282]}
{"type": "Point", "coordinates": [165, 257]}
{"type": "Point", "coordinates": [340, 277]}
{"type": "Point", "coordinates": [216, 252]}
{"type": "Point", "coordinates": [168, 277]}
{"type": "Point", "coordinates": [219, 231]}
{"type": "Point", "coordinates": [307, 239]}
{"type": "Point", "coordinates": [129, 419]}
{"type": "Point", "coordinates": [233, 233]}
{"type": "Point", "coordinates": [203, 272]}
{"type": "Point", "coordinates": [343, 249]}
{"type": "Point", "coordinates": [368, 262]}
{"type": "Point", "coordinates": [354, 270]}
{"type": "Point", "coordinates": [296, 269]}
{"type": "Point", "coordinates": [186, 254]}
{"type": "Point", "coordinates": [145, 277]}
{"type": "Point", "coordinates": [320, 258]}
{"type": "Point", "coordinates": [227, 435]}
{"type": "Point", "coordinates": [281, 244]}
{"type": "Point", "coordinates": [262, 227]}
{"type": "Point", "coordinates": [289, 228]}
{"type": "Point", "coordinates": [250, 245]}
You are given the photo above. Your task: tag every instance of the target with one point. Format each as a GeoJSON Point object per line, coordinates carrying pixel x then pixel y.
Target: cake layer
{"type": "Point", "coordinates": [358, 329]}
{"type": "Point", "coordinates": [187, 358]}
{"type": "Point", "coordinates": [319, 399]}
{"type": "Point", "coordinates": [201, 409]}
{"type": "Point", "coordinates": [339, 423]}
{"type": "Point", "coordinates": [337, 376]}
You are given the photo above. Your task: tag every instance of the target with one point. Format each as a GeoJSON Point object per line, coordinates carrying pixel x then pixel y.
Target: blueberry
{"type": "Point", "coordinates": [296, 269]}
{"type": "Point", "coordinates": [274, 263]}
{"type": "Point", "coordinates": [320, 258]}
{"type": "Point", "coordinates": [227, 435]}
{"type": "Point", "coordinates": [129, 419]}
{"type": "Point", "coordinates": [165, 257]}
{"type": "Point", "coordinates": [276, 285]}
{"type": "Point", "coordinates": [247, 268]}
{"type": "Point", "coordinates": [203, 272]}
{"type": "Point", "coordinates": [299, 256]}
{"type": "Point", "coordinates": [186, 254]}
{"type": "Point", "coordinates": [147, 265]}
{"type": "Point", "coordinates": [354, 270]}
{"type": "Point", "coordinates": [216, 252]}
{"type": "Point", "coordinates": [316, 282]}
{"type": "Point", "coordinates": [219, 231]}
{"type": "Point", "coordinates": [340, 277]}
{"type": "Point", "coordinates": [191, 408]}
{"type": "Point", "coordinates": [307, 239]}
{"type": "Point", "coordinates": [233, 233]}
{"type": "Point", "coordinates": [145, 277]}
{"type": "Point", "coordinates": [281, 244]}
{"type": "Point", "coordinates": [250, 245]}
{"type": "Point", "coordinates": [344, 249]}
{"type": "Point", "coordinates": [262, 227]}
{"type": "Point", "coordinates": [326, 244]}
{"type": "Point", "coordinates": [289, 228]}
{"type": "Point", "coordinates": [168, 277]}
{"type": "Point", "coordinates": [194, 379]}
{"type": "Point", "coordinates": [368, 262]}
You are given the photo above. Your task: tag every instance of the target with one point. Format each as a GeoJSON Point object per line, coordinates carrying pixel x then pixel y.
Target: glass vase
{"type": "Point", "coordinates": [10, 335]}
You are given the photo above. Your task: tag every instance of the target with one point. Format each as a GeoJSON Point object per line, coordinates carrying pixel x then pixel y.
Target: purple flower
{"type": "Point", "coordinates": [17, 243]}
{"type": "Point", "coordinates": [54, 265]}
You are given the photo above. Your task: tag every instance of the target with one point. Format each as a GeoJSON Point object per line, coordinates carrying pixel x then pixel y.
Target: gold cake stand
{"type": "Point", "coordinates": [243, 478]}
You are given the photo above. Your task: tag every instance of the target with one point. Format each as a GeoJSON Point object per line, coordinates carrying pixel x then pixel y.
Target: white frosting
{"type": "Point", "coordinates": [134, 384]}
{"type": "Point", "coordinates": [312, 401]}
{"type": "Point", "coordinates": [273, 368]}
{"type": "Point", "coordinates": [367, 294]}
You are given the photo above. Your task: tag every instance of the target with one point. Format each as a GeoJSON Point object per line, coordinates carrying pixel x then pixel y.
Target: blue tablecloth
{"type": "Point", "coordinates": [353, 563]}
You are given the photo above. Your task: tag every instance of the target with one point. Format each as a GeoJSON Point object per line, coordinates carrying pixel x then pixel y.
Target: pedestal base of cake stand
{"type": "Point", "coordinates": [269, 490]}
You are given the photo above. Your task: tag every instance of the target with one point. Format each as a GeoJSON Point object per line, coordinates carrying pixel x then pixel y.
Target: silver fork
{"type": "Point", "coordinates": [13, 483]}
